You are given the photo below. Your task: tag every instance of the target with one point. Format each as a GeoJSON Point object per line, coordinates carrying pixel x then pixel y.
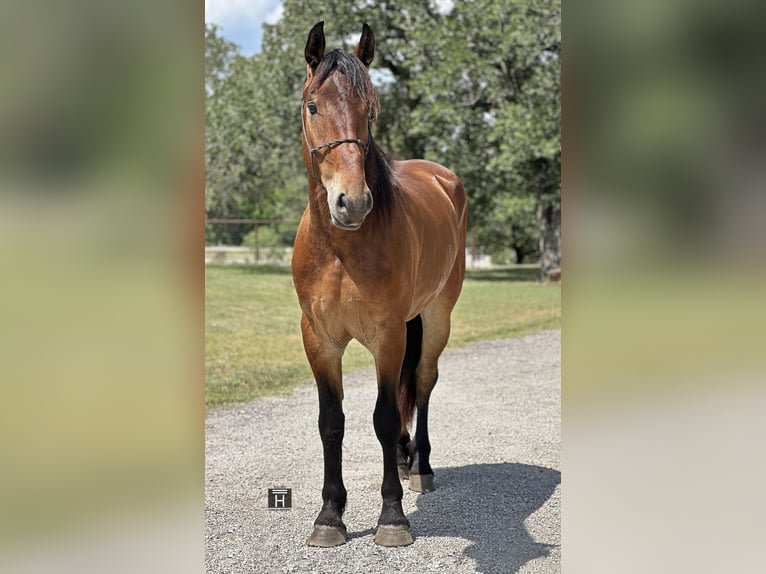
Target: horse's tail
{"type": "Point", "coordinates": [407, 384]}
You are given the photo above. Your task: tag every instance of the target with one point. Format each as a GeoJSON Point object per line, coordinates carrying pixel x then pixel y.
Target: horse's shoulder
{"type": "Point", "coordinates": [423, 175]}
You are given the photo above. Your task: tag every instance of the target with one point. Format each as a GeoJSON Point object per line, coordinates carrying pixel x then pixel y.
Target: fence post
{"type": "Point", "coordinates": [255, 241]}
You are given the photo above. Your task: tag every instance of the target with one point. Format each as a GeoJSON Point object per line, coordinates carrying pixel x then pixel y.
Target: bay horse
{"type": "Point", "coordinates": [379, 257]}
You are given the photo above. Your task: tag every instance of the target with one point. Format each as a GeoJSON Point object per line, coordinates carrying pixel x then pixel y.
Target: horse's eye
{"type": "Point", "coordinates": [312, 108]}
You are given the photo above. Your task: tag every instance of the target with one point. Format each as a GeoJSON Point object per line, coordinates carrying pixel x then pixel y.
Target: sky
{"type": "Point", "coordinates": [241, 20]}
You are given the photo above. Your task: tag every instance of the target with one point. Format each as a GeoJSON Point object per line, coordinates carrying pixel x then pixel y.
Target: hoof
{"type": "Point", "coordinates": [393, 535]}
{"type": "Point", "coordinates": [404, 472]}
{"type": "Point", "coordinates": [326, 536]}
{"type": "Point", "coordinates": [422, 482]}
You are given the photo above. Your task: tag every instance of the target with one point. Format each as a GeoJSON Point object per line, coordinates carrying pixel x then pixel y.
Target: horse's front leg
{"type": "Point", "coordinates": [325, 360]}
{"type": "Point", "coordinates": [393, 526]}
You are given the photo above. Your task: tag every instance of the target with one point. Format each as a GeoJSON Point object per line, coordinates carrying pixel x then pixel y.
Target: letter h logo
{"type": "Point", "coordinates": [280, 498]}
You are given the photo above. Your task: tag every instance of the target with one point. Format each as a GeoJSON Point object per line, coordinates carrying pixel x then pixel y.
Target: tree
{"type": "Point", "coordinates": [510, 232]}
{"type": "Point", "coordinates": [493, 110]}
{"type": "Point", "coordinates": [219, 55]}
{"type": "Point", "coordinates": [475, 88]}
{"type": "Point", "coordinates": [251, 168]}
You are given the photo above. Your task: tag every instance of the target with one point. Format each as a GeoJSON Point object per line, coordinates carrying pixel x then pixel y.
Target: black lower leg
{"type": "Point", "coordinates": [403, 451]}
{"type": "Point", "coordinates": [388, 428]}
{"type": "Point", "coordinates": [422, 451]}
{"type": "Point", "coordinates": [331, 429]}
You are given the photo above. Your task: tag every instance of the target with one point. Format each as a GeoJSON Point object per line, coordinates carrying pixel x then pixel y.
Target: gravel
{"type": "Point", "coordinates": [495, 433]}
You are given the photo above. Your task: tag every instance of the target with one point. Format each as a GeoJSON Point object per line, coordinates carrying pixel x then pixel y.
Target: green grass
{"type": "Point", "coordinates": [252, 336]}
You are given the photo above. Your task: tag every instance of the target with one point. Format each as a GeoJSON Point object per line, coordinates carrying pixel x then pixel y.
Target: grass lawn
{"type": "Point", "coordinates": [252, 334]}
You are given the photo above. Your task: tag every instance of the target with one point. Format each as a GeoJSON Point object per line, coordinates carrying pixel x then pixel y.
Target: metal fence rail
{"type": "Point", "coordinates": [475, 257]}
{"type": "Point", "coordinates": [256, 223]}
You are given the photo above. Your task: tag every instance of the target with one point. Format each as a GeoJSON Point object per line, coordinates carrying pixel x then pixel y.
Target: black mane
{"type": "Point", "coordinates": [380, 178]}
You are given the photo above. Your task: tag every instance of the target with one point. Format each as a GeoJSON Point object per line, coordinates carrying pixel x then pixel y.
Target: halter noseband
{"type": "Point", "coordinates": [312, 150]}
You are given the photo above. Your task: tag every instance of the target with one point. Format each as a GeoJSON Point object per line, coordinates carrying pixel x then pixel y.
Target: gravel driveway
{"type": "Point", "coordinates": [495, 435]}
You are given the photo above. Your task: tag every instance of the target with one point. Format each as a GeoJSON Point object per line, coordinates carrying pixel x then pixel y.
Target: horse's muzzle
{"type": "Point", "coordinates": [347, 211]}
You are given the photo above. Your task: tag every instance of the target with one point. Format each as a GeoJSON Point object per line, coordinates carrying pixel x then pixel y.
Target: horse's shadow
{"type": "Point", "coordinates": [488, 504]}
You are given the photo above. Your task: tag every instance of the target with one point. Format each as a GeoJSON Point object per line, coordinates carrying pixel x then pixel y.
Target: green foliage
{"type": "Point", "coordinates": [253, 166]}
{"type": "Point", "coordinates": [274, 236]}
{"type": "Point", "coordinates": [219, 55]}
{"type": "Point", "coordinates": [510, 231]}
{"type": "Point", "coordinates": [476, 89]}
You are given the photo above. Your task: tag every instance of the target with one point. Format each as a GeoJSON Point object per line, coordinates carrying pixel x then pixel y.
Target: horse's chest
{"type": "Point", "coordinates": [341, 311]}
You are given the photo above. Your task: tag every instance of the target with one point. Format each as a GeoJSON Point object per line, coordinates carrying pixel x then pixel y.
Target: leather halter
{"type": "Point", "coordinates": [312, 150]}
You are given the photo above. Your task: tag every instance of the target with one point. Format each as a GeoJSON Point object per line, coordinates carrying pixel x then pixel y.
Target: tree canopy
{"type": "Point", "coordinates": [475, 88]}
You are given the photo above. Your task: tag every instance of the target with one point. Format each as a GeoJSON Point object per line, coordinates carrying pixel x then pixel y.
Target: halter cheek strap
{"type": "Point", "coordinates": [312, 150]}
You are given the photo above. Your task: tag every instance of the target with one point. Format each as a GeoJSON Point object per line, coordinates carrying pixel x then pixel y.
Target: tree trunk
{"type": "Point", "coordinates": [520, 253]}
{"type": "Point", "coordinates": [549, 222]}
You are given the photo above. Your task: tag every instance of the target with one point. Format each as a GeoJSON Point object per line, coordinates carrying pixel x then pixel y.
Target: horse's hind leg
{"type": "Point", "coordinates": [404, 455]}
{"type": "Point", "coordinates": [436, 329]}
{"type": "Point", "coordinates": [407, 394]}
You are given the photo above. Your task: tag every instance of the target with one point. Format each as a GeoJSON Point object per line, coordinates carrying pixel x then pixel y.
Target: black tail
{"type": "Point", "coordinates": [407, 388]}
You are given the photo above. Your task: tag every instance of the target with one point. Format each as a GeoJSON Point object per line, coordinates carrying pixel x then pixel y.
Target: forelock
{"type": "Point", "coordinates": [356, 73]}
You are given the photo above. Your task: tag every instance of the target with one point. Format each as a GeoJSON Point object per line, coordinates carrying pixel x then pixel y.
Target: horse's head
{"type": "Point", "coordinates": [339, 102]}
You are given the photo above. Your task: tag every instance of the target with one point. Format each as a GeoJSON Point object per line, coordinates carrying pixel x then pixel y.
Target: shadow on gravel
{"type": "Point", "coordinates": [487, 504]}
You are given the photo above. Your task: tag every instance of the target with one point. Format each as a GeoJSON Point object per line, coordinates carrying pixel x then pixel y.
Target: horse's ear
{"type": "Point", "coordinates": [314, 50]}
{"type": "Point", "coordinates": [365, 50]}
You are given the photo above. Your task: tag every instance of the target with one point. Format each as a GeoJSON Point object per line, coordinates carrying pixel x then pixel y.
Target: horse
{"type": "Point", "coordinates": [379, 257]}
